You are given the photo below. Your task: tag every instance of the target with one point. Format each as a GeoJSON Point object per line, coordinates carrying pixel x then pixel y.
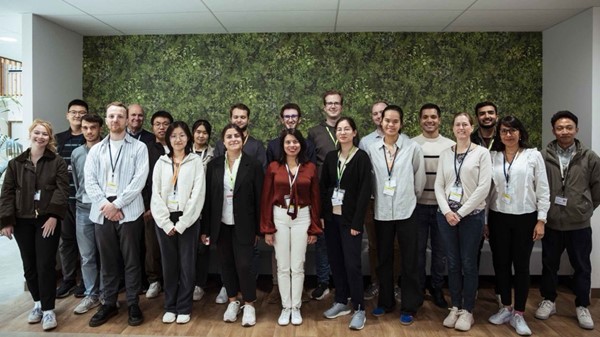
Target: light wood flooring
{"type": "Point", "coordinates": [207, 320]}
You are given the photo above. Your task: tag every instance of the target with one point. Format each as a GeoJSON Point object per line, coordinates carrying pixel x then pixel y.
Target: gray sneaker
{"type": "Point", "coordinates": [35, 316]}
{"type": "Point", "coordinates": [372, 291]}
{"type": "Point", "coordinates": [49, 320]}
{"type": "Point", "coordinates": [86, 304]}
{"type": "Point", "coordinates": [358, 320]}
{"type": "Point", "coordinates": [337, 310]}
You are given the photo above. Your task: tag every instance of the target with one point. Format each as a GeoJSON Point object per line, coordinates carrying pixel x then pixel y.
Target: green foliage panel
{"type": "Point", "coordinates": [201, 76]}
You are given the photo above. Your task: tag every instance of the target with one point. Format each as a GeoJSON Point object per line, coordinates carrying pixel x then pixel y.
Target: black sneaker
{"type": "Point", "coordinates": [79, 290]}
{"type": "Point", "coordinates": [320, 291]}
{"type": "Point", "coordinates": [65, 288]}
{"type": "Point", "coordinates": [438, 297]}
{"type": "Point", "coordinates": [135, 315]}
{"type": "Point", "coordinates": [103, 315]}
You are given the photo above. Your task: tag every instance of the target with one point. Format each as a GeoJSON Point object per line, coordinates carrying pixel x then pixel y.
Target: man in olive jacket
{"type": "Point", "coordinates": [574, 178]}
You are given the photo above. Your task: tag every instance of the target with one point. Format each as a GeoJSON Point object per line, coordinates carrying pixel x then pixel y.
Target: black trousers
{"type": "Point", "coordinates": [236, 264]}
{"type": "Point", "coordinates": [39, 258]}
{"type": "Point", "coordinates": [152, 259]}
{"type": "Point", "coordinates": [116, 241]}
{"type": "Point", "coordinates": [578, 244]}
{"type": "Point", "coordinates": [511, 241]}
{"type": "Point", "coordinates": [407, 233]}
{"type": "Point", "coordinates": [68, 249]}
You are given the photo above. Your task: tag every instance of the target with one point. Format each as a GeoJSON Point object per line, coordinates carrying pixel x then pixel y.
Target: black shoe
{"type": "Point", "coordinates": [79, 291]}
{"type": "Point", "coordinates": [65, 288]}
{"type": "Point", "coordinates": [135, 315]}
{"type": "Point", "coordinates": [103, 315]}
{"type": "Point", "coordinates": [320, 291]}
{"type": "Point", "coordinates": [438, 298]}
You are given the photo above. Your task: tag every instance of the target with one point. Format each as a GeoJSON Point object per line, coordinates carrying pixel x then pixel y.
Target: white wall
{"type": "Point", "coordinates": [52, 71]}
{"type": "Point", "coordinates": [10, 27]}
{"type": "Point", "coordinates": [571, 81]}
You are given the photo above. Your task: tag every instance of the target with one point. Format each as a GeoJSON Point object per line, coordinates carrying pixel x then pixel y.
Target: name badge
{"type": "Point", "coordinates": [456, 193]}
{"type": "Point", "coordinates": [111, 188]}
{"type": "Point", "coordinates": [287, 199]}
{"type": "Point", "coordinates": [561, 201]}
{"type": "Point", "coordinates": [337, 198]}
{"type": "Point", "coordinates": [229, 199]}
{"type": "Point", "coordinates": [172, 202]}
{"type": "Point", "coordinates": [37, 195]}
{"type": "Point", "coordinates": [507, 195]}
{"type": "Point", "coordinates": [389, 188]}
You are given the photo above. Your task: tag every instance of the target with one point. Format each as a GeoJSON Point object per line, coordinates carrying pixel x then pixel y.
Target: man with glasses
{"type": "Point", "coordinates": [67, 141]}
{"type": "Point", "coordinates": [160, 121]}
{"type": "Point", "coordinates": [135, 124]}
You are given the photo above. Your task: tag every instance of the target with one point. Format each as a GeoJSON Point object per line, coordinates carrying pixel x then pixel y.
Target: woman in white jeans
{"type": "Point", "coordinates": [291, 191]}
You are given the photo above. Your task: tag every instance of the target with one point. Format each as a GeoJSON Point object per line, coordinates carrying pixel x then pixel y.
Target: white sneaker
{"type": "Point", "coordinates": [182, 319]}
{"type": "Point", "coordinates": [584, 318]}
{"type": "Point", "coordinates": [284, 317]}
{"type": "Point", "coordinates": [545, 310]}
{"type": "Point", "coordinates": [232, 311]}
{"type": "Point", "coordinates": [49, 320]}
{"type": "Point", "coordinates": [517, 321]}
{"type": "Point", "coordinates": [198, 293]}
{"type": "Point", "coordinates": [296, 316]}
{"type": "Point", "coordinates": [249, 317]}
{"type": "Point", "coordinates": [450, 320]}
{"type": "Point", "coordinates": [86, 304]}
{"type": "Point", "coordinates": [153, 290]}
{"type": "Point", "coordinates": [169, 317]}
{"type": "Point", "coordinates": [502, 316]}
{"type": "Point", "coordinates": [222, 296]}
{"type": "Point", "coordinates": [464, 321]}
{"type": "Point", "coordinates": [35, 316]}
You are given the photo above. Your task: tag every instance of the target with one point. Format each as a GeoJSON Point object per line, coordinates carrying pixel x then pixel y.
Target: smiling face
{"type": "Point", "coordinates": [290, 118]}
{"type": "Point", "coordinates": [178, 140]}
{"type": "Point", "coordinates": [91, 131]}
{"type": "Point", "coordinates": [509, 136]}
{"type": "Point", "coordinates": [74, 115]}
{"type": "Point", "coordinates": [462, 127]}
{"type": "Point", "coordinates": [333, 106]}
{"type": "Point", "coordinates": [291, 146]}
{"type": "Point", "coordinates": [390, 123]}
{"type": "Point", "coordinates": [135, 121]}
{"type": "Point", "coordinates": [429, 121]}
{"type": "Point", "coordinates": [239, 117]}
{"type": "Point", "coordinates": [487, 117]}
{"type": "Point", "coordinates": [376, 111]}
{"type": "Point", "coordinates": [344, 132]}
{"type": "Point", "coordinates": [160, 126]}
{"type": "Point", "coordinates": [565, 130]}
{"type": "Point", "coordinates": [39, 136]}
{"type": "Point", "coordinates": [201, 136]}
{"type": "Point", "coordinates": [232, 140]}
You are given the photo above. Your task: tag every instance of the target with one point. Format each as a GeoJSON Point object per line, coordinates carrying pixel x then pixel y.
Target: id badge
{"type": "Point", "coordinates": [337, 198]}
{"type": "Point", "coordinates": [561, 201]}
{"type": "Point", "coordinates": [70, 168]}
{"type": "Point", "coordinates": [229, 199]}
{"type": "Point", "coordinates": [111, 188]}
{"type": "Point", "coordinates": [456, 193]}
{"type": "Point", "coordinates": [390, 187]}
{"type": "Point", "coordinates": [37, 195]}
{"type": "Point", "coordinates": [291, 209]}
{"type": "Point", "coordinates": [172, 202]}
{"type": "Point", "coordinates": [287, 200]}
{"type": "Point", "coordinates": [507, 195]}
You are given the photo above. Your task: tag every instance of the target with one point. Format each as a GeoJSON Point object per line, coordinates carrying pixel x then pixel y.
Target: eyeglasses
{"type": "Point", "coordinates": [165, 124]}
{"type": "Point", "coordinates": [333, 103]}
{"type": "Point", "coordinates": [290, 116]}
{"type": "Point", "coordinates": [77, 113]}
{"type": "Point", "coordinates": [512, 131]}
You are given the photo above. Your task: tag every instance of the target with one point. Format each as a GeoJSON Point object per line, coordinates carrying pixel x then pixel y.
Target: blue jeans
{"type": "Point", "coordinates": [462, 244]}
{"type": "Point", "coordinates": [428, 230]}
{"type": "Point", "coordinates": [321, 261]}
{"type": "Point", "coordinates": [86, 240]}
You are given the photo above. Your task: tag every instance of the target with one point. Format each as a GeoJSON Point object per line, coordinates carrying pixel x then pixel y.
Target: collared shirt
{"type": "Point", "coordinates": [228, 187]}
{"type": "Point", "coordinates": [369, 139]}
{"type": "Point", "coordinates": [565, 155]}
{"type": "Point", "coordinates": [78, 158]}
{"type": "Point", "coordinates": [131, 170]}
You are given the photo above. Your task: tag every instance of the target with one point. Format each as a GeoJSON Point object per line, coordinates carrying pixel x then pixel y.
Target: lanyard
{"type": "Point", "coordinates": [335, 141]}
{"type": "Point", "coordinates": [489, 147]}
{"type": "Point", "coordinates": [292, 181]}
{"type": "Point", "coordinates": [341, 168]}
{"type": "Point", "coordinates": [113, 166]}
{"type": "Point", "coordinates": [457, 170]}
{"type": "Point", "coordinates": [507, 171]}
{"type": "Point", "coordinates": [389, 167]}
{"type": "Point", "coordinates": [176, 168]}
{"type": "Point", "coordinates": [201, 153]}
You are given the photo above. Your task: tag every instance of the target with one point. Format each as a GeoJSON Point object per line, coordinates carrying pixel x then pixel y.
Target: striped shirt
{"type": "Point", "coordinates": [432, 147]}
{"type": "Point", "coordinates": [71, 142]}
{"type": "Point", "coordinates": [131, 170]}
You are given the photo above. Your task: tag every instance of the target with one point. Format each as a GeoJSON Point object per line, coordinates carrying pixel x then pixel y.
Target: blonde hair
{"type": "Point", "coordinates": [52, 141]}
{"type": "Point", "coordinates": [466, 114]}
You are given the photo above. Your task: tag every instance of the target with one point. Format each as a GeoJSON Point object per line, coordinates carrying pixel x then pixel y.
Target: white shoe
{"type": "Point", "coordinates": [198, 293]}
{"type": "Point", "coordinates": [464, 321]}
{"type": "Point", "coordinates": [153, 290]}
{"type": "Point", "coordinates": [35, 316]}
{"type": "Point", "coordinates": [182, 319]}
{"type": "Point", "coordinates": [584, 318]}
{"type": "Point", "coordinates": [450, 320]}
{"type": "Point", "coordinates": [249, 317]}
{"type": "Point", "coordinates": [232, 311]}
{"type": "Point", "coordinates": [222, 296]}
{"type": "Point", "coordinates": [49, 320]}
{"type": "Point", "coordinates": [86, 304]}
{"type": "Point", "coordinates": [169, 317]}
{"type": "Point", "coordinates": [284, 317]}
{"type": "Point", "coordinates": [296, 316]}
{"type": "Point", "coordinates": [502, 316]}
{"type": "Point", "coordinates": [517, 321]}
{"type": "Point", "coordinates": [545, 310]}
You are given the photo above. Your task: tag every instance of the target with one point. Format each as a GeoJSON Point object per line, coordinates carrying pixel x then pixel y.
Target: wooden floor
{"type": "Point", "coordinates": [207, 320]}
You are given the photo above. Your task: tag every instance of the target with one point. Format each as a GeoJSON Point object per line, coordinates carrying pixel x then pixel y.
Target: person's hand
{"type": "Point", "coordinates": [48, 227]}
{"type": "Point", "coordinates": [354, 232]}
{"type": "Point", "coordinates": [205, 239]}
{"type": "Point", "coordinates": [118, 217]}
{"type": "Point", "coordinates": [486, 231]}
{"type": "Point", "coordinates": [269, 239]}
{"type": "Point", "coordinates": [452, 218]}
{"type": "Point", "coordinates": [311, 239]}
{"type": "Point", "coordinates": [109, 211]}
{"type": "Point", "coordinates": [147, 215]}
{"type": "Point", "coordinates": [539, 230]}
{"type": "Point", "coordinates": [172, 232]}
{"type": "Point", "coordinates": [7, 231]}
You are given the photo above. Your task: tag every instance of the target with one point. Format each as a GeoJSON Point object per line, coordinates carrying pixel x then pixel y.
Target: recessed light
{"type": "Point", "coordinates": [7, 39]}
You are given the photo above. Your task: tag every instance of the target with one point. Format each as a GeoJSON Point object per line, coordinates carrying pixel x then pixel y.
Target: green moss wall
{"type": "Point", "coordinates": [201, 76]}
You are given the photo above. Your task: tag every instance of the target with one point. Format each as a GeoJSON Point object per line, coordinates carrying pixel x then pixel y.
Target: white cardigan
{"type": "Point", "coordinates": [191, 190]}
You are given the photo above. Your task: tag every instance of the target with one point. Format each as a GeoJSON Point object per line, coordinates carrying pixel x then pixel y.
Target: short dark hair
{"type": "Point", "coordinates": [430, 106]}
{"type": "Point", "coordinates": [394, 108]}
{"type": "Point", "coordinates": [79, 102]}
{"type": "Point", "coordinates": [240, 106]}
{"type": "Point", "coordinates": [231, 126]}
{"type": "Point", "coordinates": [333, 92]}
{"type": "Point", "coordinates": [186, 130]}
{"type": "Point", "coordinates": [302, 158]}
{"type": "Point", "coordinates": [485, 103]}
{"type": "Point", "coordinates": [564, 114]}
{"type": "Point", "coordinates": [511, 122]}
{"type": "Point", "coordinates": [93, 118]}
{"type": "Point", "coordinates": [205, 123]}
{"type": "Point", "coordinates": [352, 125]}
{"type": "Point", "coordinates": [290, 106]}
{"type": "Point", "coordinates": [163, 114]}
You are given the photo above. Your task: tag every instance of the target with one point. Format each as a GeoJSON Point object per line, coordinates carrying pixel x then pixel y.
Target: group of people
{"type": "Point", "coordinates": [146, 208]}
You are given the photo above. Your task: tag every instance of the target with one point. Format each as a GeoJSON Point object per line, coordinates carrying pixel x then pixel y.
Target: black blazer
{"type": "Point", "coordinates": [246, 199]}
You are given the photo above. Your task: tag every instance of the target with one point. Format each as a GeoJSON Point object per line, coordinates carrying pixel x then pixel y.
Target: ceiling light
{"type": "Point", "coordinates": [7, 39]}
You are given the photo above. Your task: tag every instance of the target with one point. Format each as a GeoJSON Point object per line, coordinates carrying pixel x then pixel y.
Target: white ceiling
{"type": "Point", "coordinates": [124, 17]}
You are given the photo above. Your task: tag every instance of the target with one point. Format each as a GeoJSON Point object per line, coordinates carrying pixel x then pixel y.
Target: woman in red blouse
{"type": "Point", "coordinates": [291, 191]}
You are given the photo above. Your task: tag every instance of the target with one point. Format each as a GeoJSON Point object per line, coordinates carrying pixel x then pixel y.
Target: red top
{"type": "Point", "coordinates": [305, 191]}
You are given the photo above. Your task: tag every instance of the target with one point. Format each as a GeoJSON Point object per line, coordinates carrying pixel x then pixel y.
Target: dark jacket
{"type": "Point", "coordinates": [144, 136]}
{"type": "Point", "coordinates": [62, 137]}
{"type": "Point", "coordinates": [155, 150]}
{"type": "Point", "coordinates": [582, 187]}
{"type": "Point", "coordinates": [246, 199]}
{"type": "Point", "coordinates": [21, 182]}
